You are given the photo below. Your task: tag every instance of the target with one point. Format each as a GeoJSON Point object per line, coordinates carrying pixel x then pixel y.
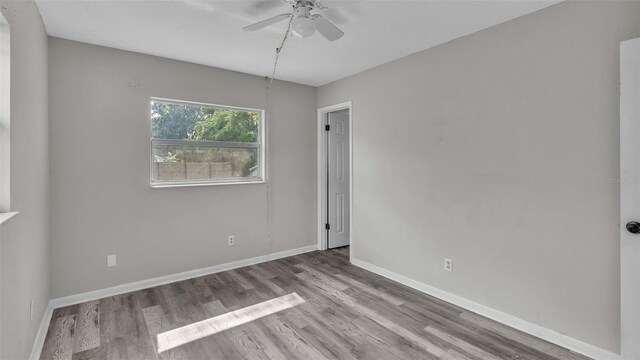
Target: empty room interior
{"type": "Point", "coordinates": [320, 179]}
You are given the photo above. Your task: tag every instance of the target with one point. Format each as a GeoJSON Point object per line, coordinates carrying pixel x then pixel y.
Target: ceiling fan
{"type": "Point", "coordinates": [304, 23]}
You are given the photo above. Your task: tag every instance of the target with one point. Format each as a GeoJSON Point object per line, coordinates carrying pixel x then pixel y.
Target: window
{"type": "Point", "coordinates": [198, 144]}
{"type": "Point", "coordinates": [5, 156]}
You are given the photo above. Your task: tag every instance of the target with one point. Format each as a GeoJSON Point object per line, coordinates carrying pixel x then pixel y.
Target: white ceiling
{"type": "Point", "coordinates": [210, 32]}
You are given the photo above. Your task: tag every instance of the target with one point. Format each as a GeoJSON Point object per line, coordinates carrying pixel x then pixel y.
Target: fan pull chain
{"type": "Point", "coordinates": [278, 50]}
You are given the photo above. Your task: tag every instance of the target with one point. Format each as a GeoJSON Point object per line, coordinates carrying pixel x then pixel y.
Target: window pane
{"type": "Point", "coordinates": [201, 162]}
{"type": "Point", "coordinates": [200, 122]}
{"type": "Point", "coordinates": [197, 143]}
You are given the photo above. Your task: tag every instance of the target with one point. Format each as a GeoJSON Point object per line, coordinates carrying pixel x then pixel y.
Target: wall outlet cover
{"type": "Point", "coordinates": [111, 261]}
{"type": "Point", "coordinates": [448, 264]}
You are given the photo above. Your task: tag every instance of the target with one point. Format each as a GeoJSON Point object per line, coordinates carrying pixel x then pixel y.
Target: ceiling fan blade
{"type": "Point", "coordinates": [267, 22]}
{"type": "Point", "coordinates": [326, 28]}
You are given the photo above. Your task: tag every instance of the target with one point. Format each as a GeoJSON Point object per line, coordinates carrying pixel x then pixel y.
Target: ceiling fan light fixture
{"type": "Point", "coordinates": [303, 26]}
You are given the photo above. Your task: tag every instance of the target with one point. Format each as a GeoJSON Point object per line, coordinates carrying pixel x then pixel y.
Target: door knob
{"type": "Point", "coordinates": [633, 227]}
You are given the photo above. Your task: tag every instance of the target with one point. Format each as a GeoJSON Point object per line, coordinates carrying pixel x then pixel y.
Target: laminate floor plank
{"type": "Point", "coordinates": [242, 338]}
{"type": "Point", "coordinates": [110, 334]}
{"type": "Point", "coordinates": [474, 352]}
{"type": "Point", "coordinates": [325, 344]}
{"type": "Point", "coordinates": [60, 345]}
{"type": "Point", "coordinates": [87, 327]}
{"type": "Point", "coordinates": [294, 345]}
{"type": "Point", "coordinates": [384, 343]}
{"type": "Point", "coordinates": [310, 306]}
{"type": "Point", "coordinates": [395, 301]}
{"type": "Point", "coordinates": [158, 323]}
{"type": "Point", "coordinates": [139, 344]}
{"type": "Point", "coordinates": [249, 334]}
{"type": "Point", "coordinates": [95, 353]}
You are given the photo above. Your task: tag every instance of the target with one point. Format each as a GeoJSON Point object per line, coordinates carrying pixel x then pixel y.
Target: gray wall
{"type": "Point", "coordinates": [100, 197]}
{"type": "Point", "coordinates": [24, 240]}
{"type": "Point", "coordinates": [498, 150]}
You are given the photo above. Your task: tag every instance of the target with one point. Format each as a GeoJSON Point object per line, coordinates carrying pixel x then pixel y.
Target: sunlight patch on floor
{"type": "Point", "coordinates": [192, 332]}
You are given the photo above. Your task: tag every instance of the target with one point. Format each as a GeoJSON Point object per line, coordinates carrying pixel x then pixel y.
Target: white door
{"type": "Point", "coordinates": [338, 179]}
{"type": "Point", "coordinates": [630, 197]}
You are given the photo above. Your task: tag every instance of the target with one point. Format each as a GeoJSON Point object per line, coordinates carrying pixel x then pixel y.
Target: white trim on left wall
{"type": "Point", "coordinates": [144, 284]}
{"type": "Point", "coordinates": [38, 343]}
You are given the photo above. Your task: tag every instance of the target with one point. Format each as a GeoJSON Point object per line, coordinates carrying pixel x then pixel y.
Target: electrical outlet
{"type": "Point", "coordinates": [111, 261]}
{"type": "Point", "coordinates": [31, 306]}
{"type": "Point", "coordinates": [232, 240]}
{"type": "Point", "coordinates": [448, 264]}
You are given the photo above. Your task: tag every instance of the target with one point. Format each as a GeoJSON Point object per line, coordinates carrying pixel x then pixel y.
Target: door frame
{"type": "Point", "coordinates": [629, 207]}
{"type": "Point", "coordinates": [321, 173]}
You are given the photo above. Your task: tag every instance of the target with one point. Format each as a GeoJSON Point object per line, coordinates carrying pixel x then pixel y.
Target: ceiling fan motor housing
{"type": "Point", "coordinates": [302, 8]}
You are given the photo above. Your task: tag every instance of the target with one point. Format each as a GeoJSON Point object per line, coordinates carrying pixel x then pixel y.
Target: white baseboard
{"type": "Point", "coordinates": [167, 279]}
{"type": "Point", "coordinates": [143, 284]}
{"type": "Point", "coordinates": [38, 343]}
{"type": "Point", "coordinates": [512, 321]}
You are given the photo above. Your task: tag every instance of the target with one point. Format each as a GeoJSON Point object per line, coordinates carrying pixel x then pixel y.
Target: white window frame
{"type": "Point", "coordinates": [5, 121]}
{"type": "Point", "coordinates": [261, 146]}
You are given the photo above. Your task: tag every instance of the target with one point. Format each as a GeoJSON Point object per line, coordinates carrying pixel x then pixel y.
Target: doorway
{"type": "Point", "coordinates": [335, 176]}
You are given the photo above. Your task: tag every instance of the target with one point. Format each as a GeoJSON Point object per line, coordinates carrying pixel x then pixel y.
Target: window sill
{"type": "Point", "coordinates": [159, 186]}
{"type": "Point", "coordinates": [4, 217]}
